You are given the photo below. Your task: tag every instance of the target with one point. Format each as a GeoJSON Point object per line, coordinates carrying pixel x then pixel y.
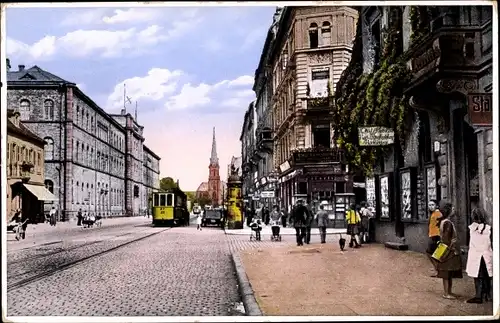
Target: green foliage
{"type": "Point", "coordinates": [167, 183]}
{"type": "Point", "coordinates": [374, 99]}
{"type": "Point", "coordinates": [419, 20]}
{"type": "Point", "coordinates": [203, 200]}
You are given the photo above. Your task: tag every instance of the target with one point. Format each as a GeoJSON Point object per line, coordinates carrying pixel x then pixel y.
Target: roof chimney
{"type": "Point", "coordinates": [21, 68]}
{"type": "Point", "coordinates": [8, 65]}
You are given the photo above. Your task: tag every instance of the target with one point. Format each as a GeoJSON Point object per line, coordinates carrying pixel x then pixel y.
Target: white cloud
{"type": "Point", "coordinates": [132, 15]}
{"type": "Point", "coordinates": [170, 89]}
{"type": "Point", "coordinates": [84, 17]}
{"type": "Point", "coordinates": [229, 94]}
{"type": "Point", "coordinates": [154, 86]}
{"type": "Point", "coordinates": [82, 43]}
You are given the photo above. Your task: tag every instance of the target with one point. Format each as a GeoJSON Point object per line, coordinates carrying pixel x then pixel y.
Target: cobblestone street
{"type": "Point", "coordinates": [178, 271]}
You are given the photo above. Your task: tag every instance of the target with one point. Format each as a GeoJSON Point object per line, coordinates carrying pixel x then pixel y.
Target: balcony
{"type": "Point", "coordinates": [316, 156]}
{"type": "Point", "coordinates": [449, 51]}
{"type": "Point", "coordinates": [265, 139]}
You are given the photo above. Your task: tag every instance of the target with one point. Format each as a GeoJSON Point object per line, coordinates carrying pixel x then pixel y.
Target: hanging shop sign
{"type": "Point", "coordinates": [480, 109]}
{"type": "Point", "coordinates": [267, 194]}
{"type": "Point", "coordinates": [375, 136]}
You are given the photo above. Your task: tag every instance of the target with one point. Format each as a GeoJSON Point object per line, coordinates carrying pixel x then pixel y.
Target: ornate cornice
{"type": "Point", "coordinates": [464, 86]}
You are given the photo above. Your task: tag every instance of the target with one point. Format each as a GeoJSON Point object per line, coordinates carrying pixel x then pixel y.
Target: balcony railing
{"type": "Point", "coordinates": [265, 139]}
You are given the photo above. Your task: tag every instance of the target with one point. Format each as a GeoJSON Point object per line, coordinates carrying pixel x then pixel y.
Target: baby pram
{"type": "Point", "coordinates": [90, 220]}
{"type": "Point", "coordinates": [256, 229]}
{"type": "Point", "coordinates": [275, 228]}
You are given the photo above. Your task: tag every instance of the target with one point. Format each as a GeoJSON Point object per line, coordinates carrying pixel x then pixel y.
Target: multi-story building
{"type": "Point", "coordinates": [305, 53]}
{"type": "Point", "coordinates": [93, 160]}
{"type": "Point", "coordinates": [447, 151]}
{"type": "Point", "coordinates": [26, 189]}
{"type": "Point", "coordinates": [248, 165]}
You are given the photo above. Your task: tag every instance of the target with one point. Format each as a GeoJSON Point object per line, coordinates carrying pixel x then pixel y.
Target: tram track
{"type": "Point", "coordinates": [54, 252]}
{"type": "Point", "coordinates": [26, 281]}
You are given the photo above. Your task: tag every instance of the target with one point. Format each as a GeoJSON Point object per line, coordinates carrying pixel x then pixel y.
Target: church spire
{"type": "Point", "coordinates": [214, 160]}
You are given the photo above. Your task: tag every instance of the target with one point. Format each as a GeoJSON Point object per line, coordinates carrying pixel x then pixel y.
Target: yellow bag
{"type": "Point", "coordinates": [441, 252]}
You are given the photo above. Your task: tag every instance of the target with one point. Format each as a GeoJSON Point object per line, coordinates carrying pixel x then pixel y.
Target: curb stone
{"type": "Point", "coordinates": [245, 288]}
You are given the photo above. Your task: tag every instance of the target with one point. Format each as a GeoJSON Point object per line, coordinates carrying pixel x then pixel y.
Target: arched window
{"type": "Point", "coordinates": [313, 35]}
{"type": "Point", "coordinates": [49, 185]}
{"type": "Point", "coordinates": [49, 148]}
{"type": "Point", "coordinates": [24, 109]}
{"type": "Point", "coordinates": [75, 196]}
{"type": "Point", "coordinates": [326, 33]}
{"type": "Point", "coordinates": [49, 109]}
{"type": "Point", "coordinates": [77, 149]}
{"type": "Point", "coordinates": [77, 113]}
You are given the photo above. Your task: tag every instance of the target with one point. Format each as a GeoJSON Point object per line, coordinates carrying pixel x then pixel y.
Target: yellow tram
{"type": "Point", "coordinates": [170, 208]}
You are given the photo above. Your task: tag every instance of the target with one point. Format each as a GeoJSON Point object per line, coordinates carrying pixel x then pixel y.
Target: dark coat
{"type": "Point", "coordinates": [452, 262]}
{"type": "Point", "coordinates": [300, 216]}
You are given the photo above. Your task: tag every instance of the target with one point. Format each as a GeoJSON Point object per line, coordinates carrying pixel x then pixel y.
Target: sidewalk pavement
{"type": "Point", "coordinates": [266, 230]}
{"type": "Point", "coordinates": [319, 279]}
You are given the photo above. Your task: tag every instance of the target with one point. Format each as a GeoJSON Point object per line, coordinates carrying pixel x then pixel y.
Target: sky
{"type": "Point", "coordinates": [189, 69]}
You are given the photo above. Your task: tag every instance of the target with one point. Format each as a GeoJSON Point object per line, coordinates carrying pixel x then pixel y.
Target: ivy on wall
{"type": "Point", "coordinates": [419, 20]}
{"type": "Point", "coordinates": [372, 99]}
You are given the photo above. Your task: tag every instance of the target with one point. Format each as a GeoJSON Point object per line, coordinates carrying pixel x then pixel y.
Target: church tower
{"type": "Point", "coordinates": [214, 184]}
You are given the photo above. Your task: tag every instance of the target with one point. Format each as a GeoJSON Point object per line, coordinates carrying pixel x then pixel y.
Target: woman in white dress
{"type": "Point", "coordinates": [198, 222]}
{"type": "Point", "coordinates": [480, 257]}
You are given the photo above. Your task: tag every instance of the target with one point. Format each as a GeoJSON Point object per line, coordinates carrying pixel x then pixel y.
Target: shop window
{"type": "Point", "coordinates": [302, 188]}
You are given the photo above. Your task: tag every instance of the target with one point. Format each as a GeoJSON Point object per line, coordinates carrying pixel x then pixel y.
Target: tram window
{"type": "Point", "coordinates": [169, 199]}
{"type": "Point", "coordinates": [156, 199]}
{"type": "Point", "coordinates": [162, 199]}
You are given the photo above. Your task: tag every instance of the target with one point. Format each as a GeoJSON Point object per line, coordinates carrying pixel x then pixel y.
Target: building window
{"type": "Point", "coordinates": [49, 148]}
{"type": "Point", "coordinates": [424, 139]}
{"type": "Point", "coordinates": [321, 135]}
{"type": "Point", "coordinates": [49, 185]}
{"type": "Point", "coordinates": [77, 113]}
{"type": "Point", "coordinates": [326, 33]}
{"type": "Point", "coordinates": [49, 109]}
{"type": "Point", "coordinates": [24, 109]}
{"type": "Point", "coordinates": [376, 33]}
{"type": "Point", "coordinates": [313, 35]}
{"type": "Point", "coordinates": [319, 83]}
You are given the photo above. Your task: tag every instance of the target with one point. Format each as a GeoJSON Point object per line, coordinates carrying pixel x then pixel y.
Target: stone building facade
{"type": "Point", "coordinates": [91, 158]}
{"type": "Point", "coordinates": [447, 154]}
{"type": "Point", "coordinates": [248, 164]}
{"type": "Point", "coordinates": [305, 52]}
{"type": "Point", "coordinates": [26, 186]}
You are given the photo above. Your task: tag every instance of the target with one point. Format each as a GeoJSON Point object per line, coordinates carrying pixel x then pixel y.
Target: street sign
{"type": "Point", "coordinates": [375, 136]}
{"type": "Point", "coordinates": [480, 109]}
{"type": "Point", "coordinates": [267, 194]}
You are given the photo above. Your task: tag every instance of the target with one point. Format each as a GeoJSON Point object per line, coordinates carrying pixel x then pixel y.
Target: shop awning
{"type": "Point", "coordinates": [40, 192]}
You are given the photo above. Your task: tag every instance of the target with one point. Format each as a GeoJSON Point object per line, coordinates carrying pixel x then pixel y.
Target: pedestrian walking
{"type": "Point", "coordinates": [276, 216]}
{"type": "Point", "coordinates": [79, 216]}
{"type": "Point", "coordinates": [480, 257]}
{"type": "Point", "coordinates": [353, 220]}
{"type": "Point", "coordinates": [265, 215]}
{"type": "Point", "coordinates": [284, 216]}
{"type": "Point", "coordinates": [365, 214]}
{"type": "Point", "coordinates": [299, 217]}
{"type": "Point", "coordinates": [323, 221]}
{"type": "Point", "coordinates": [309, 219]}
{"type": "Point", "coordinates": [449, 266]}
{"type": "Point", "coordinates": [52, 216]}
{"type": "Point", "coordinates": [434, 237]}
{"type": "Point", "coordinates": [198, 222]}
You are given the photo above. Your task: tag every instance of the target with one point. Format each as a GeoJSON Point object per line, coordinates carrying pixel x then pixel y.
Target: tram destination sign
{"type": "Point", "coordinates": [480, 109]}
{"type": "Point", "coordinates": [375, 136]}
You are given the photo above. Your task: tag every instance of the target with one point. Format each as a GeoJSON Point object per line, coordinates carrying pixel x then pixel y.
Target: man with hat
{"type": "Point", "coordinates": [322, 218]}
{"type": "Point", "coordinates": [299, 216]}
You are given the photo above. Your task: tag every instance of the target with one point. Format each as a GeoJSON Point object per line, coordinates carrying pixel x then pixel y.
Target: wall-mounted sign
{"type": "Point", "coordinates": [285, 166]}
{"type": "Point", "coordinates": [375, 136]}
{"type": "Point", "coordinates": [480, 109]}
{"type": "Point", "coordinates": [267, 194]}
